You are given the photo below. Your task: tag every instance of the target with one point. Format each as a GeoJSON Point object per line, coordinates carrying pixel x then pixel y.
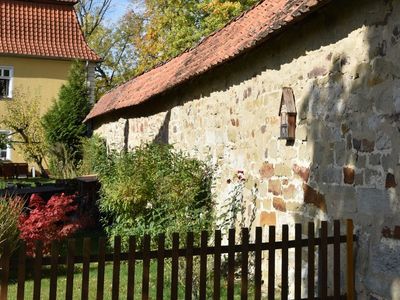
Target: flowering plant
{"type": "Point", "coordinates": [47, 222]}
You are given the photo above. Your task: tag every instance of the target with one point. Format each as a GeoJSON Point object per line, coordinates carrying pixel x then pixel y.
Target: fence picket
{"type": "Point", "coordinates": [37, 271]}
{"type": "Point", "coordinates": [217, 265]}
{"type": "Point", "coordinates": [311, 260]}
{"type": "Point", "coordinates": [271, 263]}
{"type": "Point", "coordinates": [203, 266]}
{"type": "Point", "coordinates": [100, 269]}
{"type": "Point", "coordinates": [175, 266]}
{"type": "Point", "coordinates": [116, 268]}
{"type": "Point", "coordinates": [257, 262]}
{"type": "Point", "coordinates": [146, 268]}
{"type": "Point", "coordinates": [245, 264]}
{"type": "Point", "coordinates": [285, 262]}
{"type": "Point", "coordinates": [54, 270]}
{"type": "Point", "coordinates": [336, 260]}
{"type": "Point", "coordinates": [297, 262]}
{"type": "Point", "coordinates": [189, 266]}
{"type": "Point", "coordinates": [131, 268]}
{"type": "Point", "coordinates": [21, 272]}
{"type": "Point", "coordinates": [160, 267]}
{"type": "Point", "coordinates": [350, 261]}
{"type": "Point", "coordinates": [85, 269]}
{"type": "Point", "coordinates": [231, 264]}
{"type": "Point", "coordinates": [5, 270]}
{"type": "Point", "coordinates": [70, 270]}
{"type": "Point", "coordinates": [324, 260]}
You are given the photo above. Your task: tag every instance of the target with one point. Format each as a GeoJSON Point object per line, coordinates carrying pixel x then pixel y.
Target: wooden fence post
{"type": "Point", "coordinates": [160, 267]}
{"type": "Point", "coordinates": [217, 265]}
{"type": "Point", "coordinates": [5, 270]}
{"type": "Point", "coordinates": [131, 268]}
{"type": "Point", "coordinates": [100, 269]}
{"type": "Point", "coordinates": [21, 272]}
{"type": "Point", "coordinates": [37, 272]}
{"type": "Point", "coordinates": [70, 270]}
{"type": "Point", "coordinates": [350, 261]}
{"type": "Point", "coordinates": [285, 262]}
{"type": "Point", "coordinates": [85, 271]}
{"type": "Point", "coordinates": [116, 268]}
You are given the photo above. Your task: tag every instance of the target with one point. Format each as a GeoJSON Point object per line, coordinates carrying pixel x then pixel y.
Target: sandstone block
{"type": "Point", "coordinates": [302, 172]}
{"type": "Point", "coordinates": [390, 181]}
{"type": "Point", "coordinates": [275, 187]}
{"type": "Point", "coordinates": [279, 204]}
{"type": "Point", "coordinates": [283, 170]}
{"type": "Point", "coordinates": [267, 170]}
{"type": "Point", "coordinates": [313, 197]}
{"type": "Point", "coordinates": [267, 219]}
{"type": "Point", "coordinates": [289, 192]}
{"type": "Point", "coordinates": [348, 175]}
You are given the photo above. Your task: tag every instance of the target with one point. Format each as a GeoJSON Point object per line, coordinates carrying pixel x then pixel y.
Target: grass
{"type": "Point", "coordinates": [25, 181]}
{"type": "Point", "coordinates": [61, 284]}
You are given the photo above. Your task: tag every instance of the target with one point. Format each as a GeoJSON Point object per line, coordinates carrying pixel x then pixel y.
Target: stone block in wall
{"type": "Point", "coordinates": [332, 175]}
{"type": "Point", "coordinates": [279, 204]}
{"type": "Point", "coordinates": [372, 201]}
{"type": "Point", "coordinates": [275, 187]}
{"type": "Point", "coordinates": [289, 192]}
{"type": "Point", "coordinates": [311, 196]}
{"type": "Point", "coordinates": [267, 170]}
{"type": "Point", "coordinates": [383, 142]}
{"type": "Point", "coordinates": [283, 170]}
{"type": "Point", "coordinates": [390, 181]}
{"type": "Point", "coordinates": [374, 159]}
{"type": "Point", "coordinates": [348, 175]}
{"type": "Point", "coordinates": [340, 153]}
{"type": "Point", "coordinates": [302, 172]}
{"type": "Point", "coordinates": [340, 200]}
{"type": "Point", "coordinates": [267, 218]}
{"type": "Point", "coordinates": [374, 178]}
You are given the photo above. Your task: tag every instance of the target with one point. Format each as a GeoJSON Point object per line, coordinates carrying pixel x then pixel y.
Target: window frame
{"type": "Point", "coordinates": [11, 78]}
{"type": "Point", "coordinates": [8, 149]}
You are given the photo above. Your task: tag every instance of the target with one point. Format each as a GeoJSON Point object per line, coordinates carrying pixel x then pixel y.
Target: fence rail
{"type": "Point", "coordinates": [145, 254]}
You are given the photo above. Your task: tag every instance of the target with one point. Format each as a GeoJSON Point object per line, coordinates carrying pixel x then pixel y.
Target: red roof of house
{"type": "Point", "coordinates": [241, 34]}
{"type": "Point", "coordinates": [43, 28]}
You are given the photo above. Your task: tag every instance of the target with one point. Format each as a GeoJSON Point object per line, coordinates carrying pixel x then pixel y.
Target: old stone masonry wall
{"type": "Point", "coordinates": [344, 67]}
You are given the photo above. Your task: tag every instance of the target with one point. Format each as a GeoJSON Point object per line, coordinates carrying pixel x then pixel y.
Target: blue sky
{"type": "Point", "coordinates": [118, 9]}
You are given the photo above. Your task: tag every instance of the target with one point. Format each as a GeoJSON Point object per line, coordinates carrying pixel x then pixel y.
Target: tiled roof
{"type": "Point", "coordinates": [245, 32]}
{"type": "Point", "coordinates": [44, 28]}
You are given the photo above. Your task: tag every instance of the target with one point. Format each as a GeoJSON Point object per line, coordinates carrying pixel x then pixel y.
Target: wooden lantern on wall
{"type": "Point", "coordinates": [288, 113]}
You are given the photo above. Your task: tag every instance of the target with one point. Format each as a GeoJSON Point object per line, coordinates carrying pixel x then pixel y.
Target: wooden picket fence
{"type": "Point", "coordinates": [321, 242]}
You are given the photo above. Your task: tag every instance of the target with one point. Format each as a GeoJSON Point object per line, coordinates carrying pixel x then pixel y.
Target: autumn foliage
{"type": "Point", "coordinates": [47, 222]}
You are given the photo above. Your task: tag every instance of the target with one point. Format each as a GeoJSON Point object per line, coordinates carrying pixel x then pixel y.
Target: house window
{"type": "Point", "coordinates": [6, 82]}
{"type": "Point", "coordinates": [5, 153]}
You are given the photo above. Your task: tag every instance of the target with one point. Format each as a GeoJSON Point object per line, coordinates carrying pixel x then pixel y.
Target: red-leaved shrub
{"type": "Point", "coordinates": [47, 222]}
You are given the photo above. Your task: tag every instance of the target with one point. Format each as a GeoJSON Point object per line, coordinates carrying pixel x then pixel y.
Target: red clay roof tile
{"type": "Point", "coordinates": [44, 28]}
{"type": "Point", "coordinates": [240, 35]}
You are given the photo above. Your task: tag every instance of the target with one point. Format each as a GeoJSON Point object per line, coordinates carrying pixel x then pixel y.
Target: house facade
{"type": "Point", "coordinates": [39, 40]}
{"type": "Point", "coordinates": [221, 101]}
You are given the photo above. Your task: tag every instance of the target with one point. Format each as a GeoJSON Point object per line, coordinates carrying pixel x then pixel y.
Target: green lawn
{"type": "Point", "coordinates": [25, 181]}
{"type": "Point", "coordinates": [61, 283]}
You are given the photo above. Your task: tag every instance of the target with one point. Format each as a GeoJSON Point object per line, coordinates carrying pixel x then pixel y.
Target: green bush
{"type": "Point", "coordinates": [94, 155]}
{"type": "Point", "coordinates": [10, 210]}
{"type": "Point", "coordinates": [155, 189]}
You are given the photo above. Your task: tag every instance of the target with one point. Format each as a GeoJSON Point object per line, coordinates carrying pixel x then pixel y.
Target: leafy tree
{"type": "Point", "coordinates": [170, 27]}
{"type": "Point", "coordinates": [63, 123]}
{"type": "Point", "coordinates": [22, 117]}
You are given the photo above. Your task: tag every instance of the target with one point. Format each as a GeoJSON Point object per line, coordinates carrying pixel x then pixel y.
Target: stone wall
{"type": "Point", "coordinates": [343, 64]}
